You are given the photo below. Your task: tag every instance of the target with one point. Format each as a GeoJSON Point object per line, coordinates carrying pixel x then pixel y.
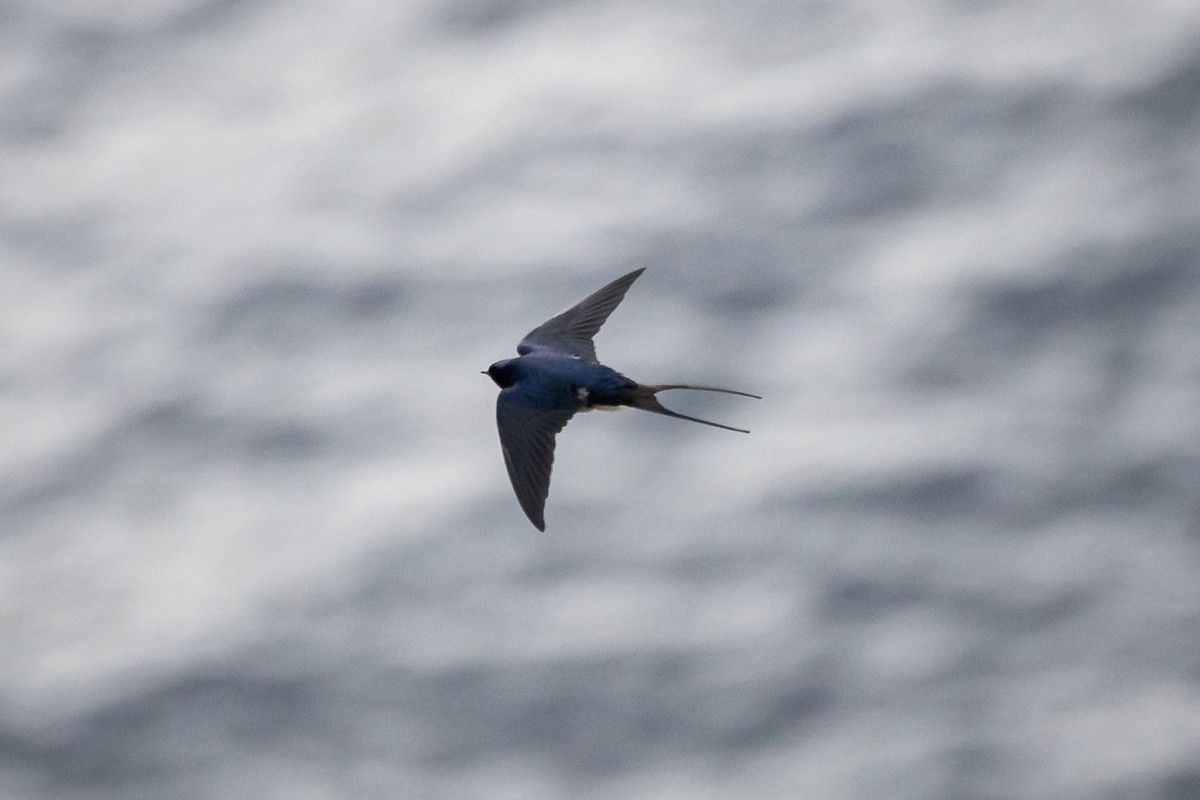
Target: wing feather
{"type": "Point", "coordinates": [527, 432]}
{"type": "Point", "coordinates": [571, 331]}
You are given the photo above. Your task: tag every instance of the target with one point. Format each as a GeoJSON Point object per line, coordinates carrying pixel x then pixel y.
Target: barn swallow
{"type": "Point", "coordinates": [556, 375]}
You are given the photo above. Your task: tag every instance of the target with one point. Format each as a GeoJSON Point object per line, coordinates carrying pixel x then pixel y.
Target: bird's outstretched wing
{"type": "Point", "coordinates": [571, 331]}
{"type": "Point", "coordinates": [527, 431]}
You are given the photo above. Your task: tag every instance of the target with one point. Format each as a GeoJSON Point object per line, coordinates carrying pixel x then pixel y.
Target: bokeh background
{"type": "Point", "coordinates": [256, 537]}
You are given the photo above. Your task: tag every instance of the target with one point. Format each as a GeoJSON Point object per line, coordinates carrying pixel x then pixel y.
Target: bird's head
{"type": "Point", "coordinates": [504, 373]}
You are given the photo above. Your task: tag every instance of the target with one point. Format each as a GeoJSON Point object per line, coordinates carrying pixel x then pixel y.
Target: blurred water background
{"type": "Point", "coordinates": [256, 537]}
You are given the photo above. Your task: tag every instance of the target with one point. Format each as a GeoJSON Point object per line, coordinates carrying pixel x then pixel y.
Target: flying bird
{"type": "Point", "coordinates": [556, 375]}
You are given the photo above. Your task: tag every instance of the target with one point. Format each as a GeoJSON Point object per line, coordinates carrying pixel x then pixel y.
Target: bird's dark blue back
{"type": "Point", "coordinates": [557, 378]}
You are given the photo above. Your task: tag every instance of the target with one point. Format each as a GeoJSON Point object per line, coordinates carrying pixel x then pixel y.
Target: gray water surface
{"type": "Point", "coordinates": [256, 537]}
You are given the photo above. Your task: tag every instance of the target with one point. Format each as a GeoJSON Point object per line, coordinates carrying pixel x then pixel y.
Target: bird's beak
{"type": "Point", "coordinates": [483, 372]}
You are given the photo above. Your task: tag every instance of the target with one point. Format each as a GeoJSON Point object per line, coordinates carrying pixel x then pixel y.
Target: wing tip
{"type": "Point", "coordinates": [535, 515]}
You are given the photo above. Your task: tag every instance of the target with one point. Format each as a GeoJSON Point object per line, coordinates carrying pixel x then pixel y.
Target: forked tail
{"type": "Point", "coordinates": [643, 398]}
